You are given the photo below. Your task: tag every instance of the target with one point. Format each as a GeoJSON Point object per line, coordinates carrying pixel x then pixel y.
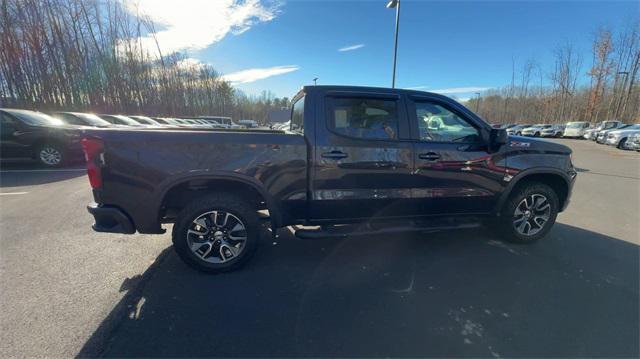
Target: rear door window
{"type": "Point", "coordinates": [362, 117]}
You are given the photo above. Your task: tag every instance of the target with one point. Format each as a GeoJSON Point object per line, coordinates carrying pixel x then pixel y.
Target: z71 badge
{"type": "Point", "coordinates": [519, 144]}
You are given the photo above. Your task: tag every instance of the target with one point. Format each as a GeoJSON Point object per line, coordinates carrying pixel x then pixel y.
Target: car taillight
{"type": "Point", "coordinates": [93, 149]}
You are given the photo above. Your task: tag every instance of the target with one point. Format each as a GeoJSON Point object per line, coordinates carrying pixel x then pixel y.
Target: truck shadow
{"type": "Point", "coordinates": [460, 293]}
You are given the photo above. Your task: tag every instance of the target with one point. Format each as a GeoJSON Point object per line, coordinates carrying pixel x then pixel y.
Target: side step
{"type": "Point", "coordinates": [369, 229]}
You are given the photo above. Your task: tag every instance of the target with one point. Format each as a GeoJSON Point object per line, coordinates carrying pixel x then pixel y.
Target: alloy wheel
{"type": "Point", "coordinates": [216, 237]}
{"type": "Point", "coordinates": [50, 156]}
{"type": "Point", "coordinates": [531, 214]}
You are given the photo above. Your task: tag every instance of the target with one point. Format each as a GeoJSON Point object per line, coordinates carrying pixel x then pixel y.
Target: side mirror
{"type": "Point", "coordinates": [498, 137]}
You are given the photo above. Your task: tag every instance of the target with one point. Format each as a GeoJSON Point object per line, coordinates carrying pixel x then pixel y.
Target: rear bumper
{"type": "Point", "coordinates": [110, 219]}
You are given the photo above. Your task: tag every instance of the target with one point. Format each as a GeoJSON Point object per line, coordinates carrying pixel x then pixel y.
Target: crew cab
{"type": "Point", "coordinates": [355, 160]}
{"type": "Point", "coordinates": [31, 135]}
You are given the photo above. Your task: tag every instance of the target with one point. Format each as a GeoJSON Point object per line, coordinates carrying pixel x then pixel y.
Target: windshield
{"type": "Point", "coordinates": [35, 118]}
{"type": "Point", "coordinates": [92, 119]}
{"type": "Point", "coordinates": [121, 120]}
{"type": "Point", "coordinates": [145, 120]}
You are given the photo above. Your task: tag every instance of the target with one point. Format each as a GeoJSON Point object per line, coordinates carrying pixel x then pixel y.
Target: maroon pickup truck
{"type": "Point", "coordinates": [396, 160]}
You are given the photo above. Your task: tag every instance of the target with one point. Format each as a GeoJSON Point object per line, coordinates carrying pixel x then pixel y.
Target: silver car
{"type": "Point", "coordinates": [553, 131]}
{"type": "Point", "coordinates": [619, 138]}
{"type": "Point", "coordinates": [535, 130]}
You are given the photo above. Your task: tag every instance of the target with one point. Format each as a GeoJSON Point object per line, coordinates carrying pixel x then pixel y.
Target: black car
{"type": "Point", "coordinates": [30, 135]}
{"type": "Point", "coordinates": [82, 119]}
{"type": "Point", "coordinates": [355, 160]}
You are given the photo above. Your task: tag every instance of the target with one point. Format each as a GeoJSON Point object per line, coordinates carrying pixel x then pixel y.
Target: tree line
{"type": "Point", "coordinates": [83, 55]}
{"type": "Point", "coordinates": [557, 95]}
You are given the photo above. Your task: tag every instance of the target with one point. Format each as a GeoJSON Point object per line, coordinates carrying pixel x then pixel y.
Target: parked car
{"type": "Point", "coordinates": [601, 138]}
{"type": "Point", "coordinates": [535, 130]}
{"type": "Point", "coordinates": [224, 121]}
{"type": "Point", "coordinates": [121, 120]}
{"type": "Point", "coordinates": [248, 123]}
{"type": "Point", "coordinates": [633, 143]}
{"type": "Point", "coordinates": [602, 126]}
{"type": "Point", "coordinates": [281, 126]}
{"type": "Point", "coordinates": [30, 135]}
{"type": "Point", "coordinates": [620, 137]}
{"type": "Point", "coordinates": [576, 129]}
{"type": "Point", "coordinates": [82, 119]}
{"type": "Point", "coordinates": [517, 129]}
{"type": "Point", "coordinates": [363, 159]}
{"type": "Point", "coordinates": [553, 131]}
{"type": "Point", "coordinates": [197, 123]}
{"type": "Point", "coordinates": [145, 120]}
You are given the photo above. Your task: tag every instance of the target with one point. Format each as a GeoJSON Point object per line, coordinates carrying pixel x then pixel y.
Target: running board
{"type": "Point", "coordinates": [369, 229]}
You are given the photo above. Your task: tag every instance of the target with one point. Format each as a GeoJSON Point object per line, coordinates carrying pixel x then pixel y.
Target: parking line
{"type": "Point", "coordinates": [12, 193]}
{"type": "Point", "coordinates": [62, 170]}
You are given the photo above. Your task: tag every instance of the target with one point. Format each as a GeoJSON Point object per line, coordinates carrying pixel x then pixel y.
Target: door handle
{"type": "Point", "coordinates": [429, 156]}
{"type": "Point", "coordinates": [335, 155]}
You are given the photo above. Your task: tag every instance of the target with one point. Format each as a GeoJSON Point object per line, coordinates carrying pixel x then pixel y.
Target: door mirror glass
{"type": "Point", "coordinates": [498, 137]}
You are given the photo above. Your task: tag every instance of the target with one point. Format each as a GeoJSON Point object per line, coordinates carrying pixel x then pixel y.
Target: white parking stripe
{"type": "Point", "coordinates": [12, 193]}
{"type": "Point", "coordinates": [61, 170]}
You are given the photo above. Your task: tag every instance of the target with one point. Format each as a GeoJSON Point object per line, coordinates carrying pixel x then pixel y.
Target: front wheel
{"type": "Point", "coordinates": [622, 143]}
{"type": "Point", "coordinates": [217, 233]}
{"type": "Point", "coordinates": [50, 155]}
{"type": "Point", "coordinates": [537, 134]}
{"type": "Point", "coordinates": [529, 213]}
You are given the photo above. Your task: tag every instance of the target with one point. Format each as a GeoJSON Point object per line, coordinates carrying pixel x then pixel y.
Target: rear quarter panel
{"type": "Point", "coordinates": [142, 165]}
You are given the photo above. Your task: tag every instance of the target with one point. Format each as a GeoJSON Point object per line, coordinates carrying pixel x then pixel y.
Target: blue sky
{"type": "Point", "coordinates": [456, 47]}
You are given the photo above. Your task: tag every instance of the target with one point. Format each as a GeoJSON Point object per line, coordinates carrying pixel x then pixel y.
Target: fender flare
{"type": "Point", "coordinates": [526, 173]}
{"type": "Point", "coordinates": [272, 204]}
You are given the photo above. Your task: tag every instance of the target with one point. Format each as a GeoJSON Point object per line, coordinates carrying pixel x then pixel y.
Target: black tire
{"type": "Point", "coordinates": [231, 204]}
{"type": "Point", "coordinates": [537, 134]}
{"type": "Point", "coordinates": [506, 224]}
{"type": "Point", "coordinates": [518, 133]}
{"type": "Point", "coordinates": [621, 143]}
{"type": "Point", "coordinates": [51, 155]}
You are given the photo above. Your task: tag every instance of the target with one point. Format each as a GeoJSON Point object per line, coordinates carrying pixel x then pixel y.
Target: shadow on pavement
{"type": "Point", "coordinates": [455, 293]}
{"type": "Point", "coordinates": [30, 174]}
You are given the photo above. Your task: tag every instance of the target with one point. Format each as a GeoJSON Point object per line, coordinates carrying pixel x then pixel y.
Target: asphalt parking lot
{"type": "Point", "coordinates": [68, 291]}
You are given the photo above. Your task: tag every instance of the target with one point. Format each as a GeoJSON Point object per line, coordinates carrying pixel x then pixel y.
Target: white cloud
{"type": "Point", "coordinates": [460, 90]}
{"type": "Point", "coordinates": [196, 24]}
{"type": "Point", "coordinates": [351, 47]}
{"type": "Point", "coordinates": [251, 75]}
{"type": "Point", "coordinates": [189, 63]}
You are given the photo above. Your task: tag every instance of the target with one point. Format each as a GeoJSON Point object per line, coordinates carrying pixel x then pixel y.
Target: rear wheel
{"type": "Point", "coordinates": [50, 155]}
{"type": "Point", "coordinates": [217, 233]}
{"type": "Point", "coordinates": [537, 134]}
{"type": "Point", "coordinates": [529, 213]}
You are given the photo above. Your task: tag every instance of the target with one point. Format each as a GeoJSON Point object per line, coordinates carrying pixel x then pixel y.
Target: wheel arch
{"type": "Point", "coordinates": [189, 185]}
{"type": "Point", "coordinates": [553, 177]}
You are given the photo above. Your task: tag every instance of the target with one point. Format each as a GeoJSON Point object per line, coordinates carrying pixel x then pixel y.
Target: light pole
{"type": "Point", "coordinates": [477, 102]}
{"type": "Point", "coordinates": [315, 81]}
{"type": "Point", "coordinates": [395, 4]}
